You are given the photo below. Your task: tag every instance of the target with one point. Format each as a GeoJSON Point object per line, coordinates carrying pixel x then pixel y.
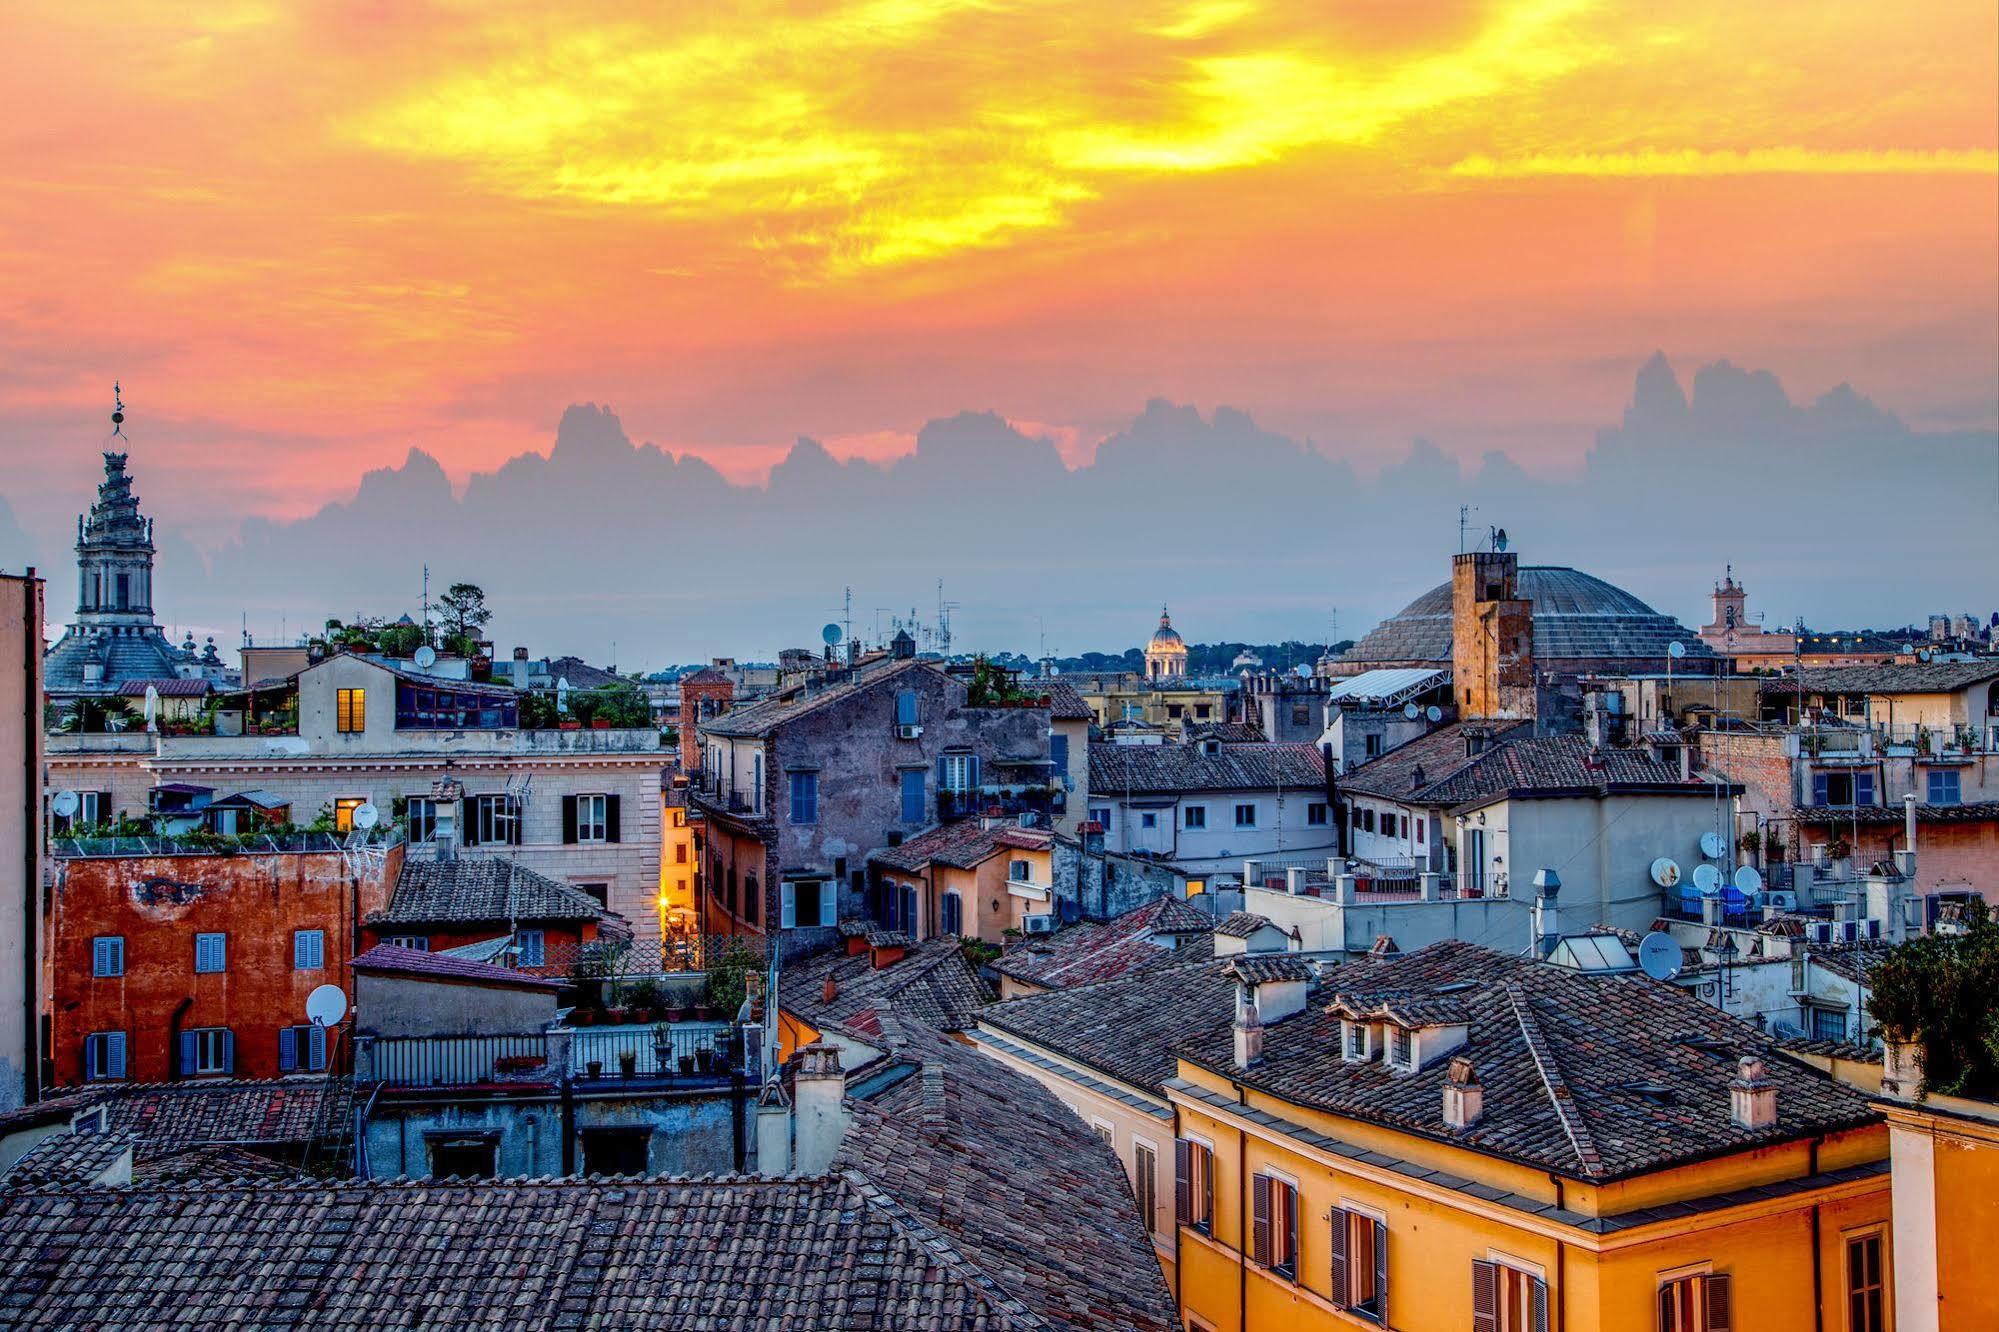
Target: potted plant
{"type": "Point", "coordinates": [569, 726]}
{"type": "Point", "coordinates": [704, 1058]}
{"type": "Point", "coordinates": [686, 1062]}
{"type": "Point", "coordinates": [582, 1017]}
{"type": "Point", "coordinates": [595, 1068]}
{"type": "Point", "coordinates": [662, 1044]}
{"type": "Point", "coordinates": [1838, 849]}
{"type": "Point", "coordinates": [600, 723]}
{"type": "Point", "coordinates": [628, 1062]}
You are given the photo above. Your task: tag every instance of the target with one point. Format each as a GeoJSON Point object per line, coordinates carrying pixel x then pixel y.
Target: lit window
{"type": "Point", "coordinates": [343, 812]}
{"type": "Point", "coordinates": [351, 711]}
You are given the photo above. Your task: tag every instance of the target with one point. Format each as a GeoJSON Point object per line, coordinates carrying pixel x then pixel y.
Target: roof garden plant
{"type": "Point", "coordinates": [1942, 992]}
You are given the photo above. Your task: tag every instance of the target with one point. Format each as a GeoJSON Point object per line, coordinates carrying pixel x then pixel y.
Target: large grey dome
{"type": "Point", "coordinates": [1577, 619]}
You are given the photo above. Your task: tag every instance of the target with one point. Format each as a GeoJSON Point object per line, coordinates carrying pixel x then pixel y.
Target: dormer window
{"type": "Point", "coordinates": [1357, 1047]}
{"type": "Point", "coordinates": [1402, 1048]}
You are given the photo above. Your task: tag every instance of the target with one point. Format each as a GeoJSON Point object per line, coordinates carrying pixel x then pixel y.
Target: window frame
{"type": "Point", "coordinates": [1348, 1272]}
{"type": "Point", "coordinates": [420, 816]}
{"type": "Point", "coordinates": [317, 950]}
{"type": "Point", "coordinates": [214, 1053]}
{"type": "Point", "coordinates": [98, 1047]}
{"type": "Point", "coordinates": [1250, 807]}
{"type": "Point", "coordinates": [1882, 1313]}
{"type": "Point", "coordinates": [531, 947]}
{"type": "Point", "coordinates": [801, 804]}
{"type": "Point", "coordinates": [594, 827]}
{"type": "Point", "coordinates": [208, 940]}
{"type": "Point", "coordinates": [1194, 818]}
{"type": "Point", "coordinates": [1194, 1183]}
{"type": "Point", "coordinates": [1317, 814]}
{"type": "Point", "coordinates": [107, 957]}
{"type": "Point", "coordinates": [1278, 1249]}
{"type": "Point", "coordinates": [343, 812]}
{"type": "Point", "coordinates": [1145, 1181]}
{"type": "Point", "coordinates": [350, 710]}
{"type": "Point", "coordinates": [1943, 786]}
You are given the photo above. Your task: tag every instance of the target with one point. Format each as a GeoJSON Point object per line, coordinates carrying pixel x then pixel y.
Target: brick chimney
{"type": "Point", "coordinates": [1248, 1030]}
{"type": "Point", "coordinates": [1464, 1098]}
{"type": "Point", "coordinates": [1492, 636]}
{"type": "Point", "coordinates": [1752, 1095]}
{"type": "Point", "coordinates": [819, 1091]}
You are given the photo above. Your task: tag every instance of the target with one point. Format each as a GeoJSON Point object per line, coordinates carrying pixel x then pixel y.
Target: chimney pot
{"type": "Point", "coordinates": [1464, 1098]}
{"type": "Point", "coordinates": [1752, 1095]}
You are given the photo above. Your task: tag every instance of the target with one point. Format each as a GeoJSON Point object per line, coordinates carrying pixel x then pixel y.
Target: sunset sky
{"type": "Point", "coordinates": [308, 237]}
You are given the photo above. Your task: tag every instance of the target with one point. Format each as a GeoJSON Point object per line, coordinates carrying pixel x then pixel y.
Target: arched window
{"type": "Point", "coordinates": [950, 914]}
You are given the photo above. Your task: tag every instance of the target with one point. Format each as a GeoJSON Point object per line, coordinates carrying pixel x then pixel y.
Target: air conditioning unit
{"type": "Point", "coordinates": [1041, 924]}
{"type": "Point", "coordinates": [907, 731]}
{"type": "Point", "coordinates": [1782, 900]}
{"type": "Point", "coordinates": [1820, 931]}
{"type": "Point", "coordinates": [1873, 929]}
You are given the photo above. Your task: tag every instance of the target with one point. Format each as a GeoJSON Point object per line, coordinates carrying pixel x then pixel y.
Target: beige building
{"type": "Point", "coordinates": [20, 832]}
{"type": "Point", "coordinates": [580, 806]}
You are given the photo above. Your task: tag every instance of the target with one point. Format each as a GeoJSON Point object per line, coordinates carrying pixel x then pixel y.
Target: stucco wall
{"type": "Point", "coordinates": [20, 831]}
{"type": "Point", "coordinates": [408, 1006]}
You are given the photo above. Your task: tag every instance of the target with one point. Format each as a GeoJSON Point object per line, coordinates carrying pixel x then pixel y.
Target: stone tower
{"type": "Point", "coordinates": [1492, 637]}
{"type": "Point", "coordinates": [114, 555]}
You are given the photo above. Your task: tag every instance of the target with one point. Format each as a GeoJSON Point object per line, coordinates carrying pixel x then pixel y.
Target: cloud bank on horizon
{"type": "Point", "coordinates": [1833, 509]}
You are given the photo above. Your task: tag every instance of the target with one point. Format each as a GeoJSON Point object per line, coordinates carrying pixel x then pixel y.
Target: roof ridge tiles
{"type": "Point", "coordinates": [1559, 1095]}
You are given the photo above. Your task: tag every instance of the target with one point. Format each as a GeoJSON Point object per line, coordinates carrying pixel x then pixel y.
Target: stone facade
{"type": "Point", "coordinates": [20, 832]}
{"type": "Point", "coordinates": [1492, 636]}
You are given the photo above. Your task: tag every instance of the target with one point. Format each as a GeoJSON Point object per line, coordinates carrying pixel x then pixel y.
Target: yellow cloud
{"type": "Point", "coordinates": [1747, 162]}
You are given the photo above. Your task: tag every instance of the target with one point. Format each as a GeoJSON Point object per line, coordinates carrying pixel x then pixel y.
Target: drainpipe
{"type": "Point", "coordinates": [1179, 1253]}
{"type": "Point", "coordinates": [1241, 1216]}
{"type": "Point", "coordinates": [1818, 1259]}
{"type": "Point", "coordinates": [31, 821]}
{"type": "Point", "coordinates": [1560, 1295]}
{"type": "Point", "coordinates": [568, 1124]}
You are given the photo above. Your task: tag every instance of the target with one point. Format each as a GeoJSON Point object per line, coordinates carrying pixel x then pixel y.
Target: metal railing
{"type": "Point", "coordinates": [456, 1061]}
{"type": "Point", "coordinates": [675, 955]}
{"type": "Point", "coordinates": [688, 1051]}
{"type": "Point", "coordinates": [219, 844]}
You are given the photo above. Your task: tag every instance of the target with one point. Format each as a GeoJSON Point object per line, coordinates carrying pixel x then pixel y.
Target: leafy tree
{"type": "Point", "coordinates": [992, 687]}
{"type": "Point", "coordinates": [399, 640]}
{"type": "Point", "coordinates": [726, 987]}
{"type": "Point", "coordinates": [465, 614]}
{"type": "Point", "coordinates": [1942, 991]}
{"type": "Point", "coordinates": [623, 705]}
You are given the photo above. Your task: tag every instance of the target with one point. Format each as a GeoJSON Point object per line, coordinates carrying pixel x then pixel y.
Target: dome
{"type": "Point", "coordinates": [1167, 638]}
{"type": "Point", "coordinates": [1577, 618]}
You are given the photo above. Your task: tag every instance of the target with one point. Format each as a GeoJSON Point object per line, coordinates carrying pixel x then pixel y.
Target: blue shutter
{"type": "Point", "coordinates": [1821, 788]}
{"type": "Point", "coordinates": [1863, 788]}
{"type": "Point", "coordinates": [1058, 754]}
{"type": "Point", "coordinates": [228, 1051]}
{"type": "Point", "coordinates": [975, 772]}
{"type": "Point", "coordinates": [114, 1054]}
{"type": "Point", "coordinates": [187, 1054]}
{"type": "Point", "coordinates": [90, 1045]}
{"type": "Point", "coordinates": [287, 1049]}
{"type": "Point", "coordinates": [316, 1049]}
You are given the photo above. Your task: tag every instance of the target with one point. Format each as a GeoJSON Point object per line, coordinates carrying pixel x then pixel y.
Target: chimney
{"type": "Point", "coordinates": [773, 1132]}
{"type": "Point", "coordinates": [1294, 880]}
{"type": "Point", "coordinates": [830, 993]}
{"type": "Point", "coordinates": [1547, 915]}
{"type": "Point", "coordinates": [1686, 762]}
{"type": "Point", "coordinates": [1464, 1098]}
{"type": "Point", "coordinates": [520, 654]}
{"type": "Point", "coordinates": [1093, 837]}
{"type": "Point", "coordinates": [820, 1108]}
{"type": "Point", "coordinates": [1248, 1030]}
{"type": "Point", "coordinates": [1752, 1095]}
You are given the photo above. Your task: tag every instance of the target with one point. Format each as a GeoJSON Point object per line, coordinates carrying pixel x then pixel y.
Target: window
{"type": "Point", "coordinates": [587, 818]}
{"type": "Point", "coordinates": [496, 820]}
{"type": "Point", "coordinates": [1101, 816]}
{"type": "Point", "coordinates": [428, 708]}
{"type": "Point", "coordinates": [950, 914]}
{"type": "Point", "coordinates": [1301, 715]}
{"type": "Point", "coordinates": [107, 955]}
{"type": "Point", "coordinates": [1945, 787]}
{"type": "Point", "coordinates": [1145, 1182]}
{"type": "Point", "coordinates": [617, 1151]}
{"type": "Point", "coordinates": [957, 772]}
{"type": "Point", "coordinates": [530, 947]}
{"type": "Point", "coordinates": [806, 903]}
{"type": "Point", "coordinates": [1104, 1132]}
{"type": "Point", "coordinates": [913, 799]}
{"type": "Point", "coordinates": [211, 952]}
{"type": "Point", "coordinates": [1148, 819]}
{"type": "Point", "coordinates": [308, 950]}
{"type": "Point", "coordinates": [804, 797]}
{"type": "Point", "coordinates": [1194, 816]}
{"type": "Point", "coordinates": [104, 1056]}
{"type": "Point", "coordinates": [1274, 1232]}
{"type": "Point", "coordinates": [1020, 871]}
{"type": "Point", "coordinates": [1356, 1041]}
{"type": "Point", "coordinates": [1058, 755]}
{"type": "Point", "coordinates": [905, 707]}
{"type": "Point", "coordinates": [351, 711]}
{"type": "Point", "coordinates": [1367, 820]}
{"type": "Point", "coordinates": [343, 812]}
{"type": "Point", "coordinates": [417, 943]}
{"type": "Point", "coordinates": [420, 818]}
{"type": "Point", "coordinates": [1202, 711]}
{"type": "Point", "coordinates": [600, 893]}
{"type": "Point", "coordinates": [757, 783]}
{"type": "Point", "coordinates": [1315, 814]}
{"type": "Point", "coordinates": [302, 1049]}
{"type": "Point", "coordinates": [1245, 816]}
{"type": "Point", "coordinates": [1865, 1291]}
{"type": "Point", "coordinates": [1174, 710]}
{"type": "Point", "coordinates": [1828, 1024]}
{"type": "Point", "coordinates": [463, 1156]}
{"type": "Point", "coordinates": [1842, 789]}
{"type": "Point", "coordinates": [1360, 1264]}
{"type": "Point", "coordinates": [1698, 1303]}
{"type": "Point", "coordinates": [1420, 825]}
{"type": "Point", "coordinates": [1401, 1047]}
{"type": "Point", "coordinates": [1506, 1299]}
{"type": "Point", "coordinates": [1194, 1184]}
{"type": "Point", "coordinates": [206, 1050]}
{"type": "Point", "coordinates": [1371, 746]}
{"type": "Point", "coordinates": [680, 853]}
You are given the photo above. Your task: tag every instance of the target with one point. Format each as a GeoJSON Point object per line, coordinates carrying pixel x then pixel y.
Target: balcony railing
{"type": "Point", "coordinates": [1004, 801]}
{"type": "Point", "coordinates": [681, 1054]}
{"type": "Point", "coordinates": [456, 1061]}
{"type": "Point", "coordinates": [690, 1051]}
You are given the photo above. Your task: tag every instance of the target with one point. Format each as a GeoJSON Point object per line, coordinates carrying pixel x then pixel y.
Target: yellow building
{"type": "Point", "coordinates": [1945, 1151]}
{"type": "Point", "coordinates": [679, 865]}
{"type": "Point", "coordinates": [976, 879]}
{"type": "Point", "coordinates": [1458, 1138]}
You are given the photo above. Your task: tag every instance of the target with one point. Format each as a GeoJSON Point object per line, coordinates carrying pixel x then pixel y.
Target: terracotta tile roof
{"type": "Point", "coordinates": [162, 1119]}
{"type": "Point", "coordinates": [1588, 1075]}
{"type": "Point", "coordinates": [1163, 932]}
{"type": "Point", "coordinates": [1975, 811]}
{"type": "Point", "coordinates": [1065, 702]}
{"type": "Point", "coordinates": [1116, 769]}
{"type": "Point", "coordinates": [1125, 1028]}
{"type": "Point", "coordinates": [1940, 677]}
{"type": "Point", "coordinates": [962, 845]}
{"type": "Point", "coordinates": [390, 960]}
{"type": "Point", "coordinates": [1404, 772]}
{"type": "Point", "coordinates": [1437, 771]}
{"type": "Point", "coordinates": [1229, 733]}
{"type": "Point", "coordinates": [766, 715]}
{"type": "Point", "coordinates": [931, 984]}
{"type": "Point", "coordinates": [210, 1162]}
{"type": "Point", "coordinates": [482, 891]}
{"type": "Point", "coordinates": [168, 688]}
{"type": "Point", "coordinates": [1853, 962]}
{"type": "Point", "coordinates": [1032, 1204]}
{"type": "Point", "coordinates": [525, 1257]}
{"type": "Point", "coordinates": [1241, 924]}
{"type": "Point", "coordinates": [1259, 968]}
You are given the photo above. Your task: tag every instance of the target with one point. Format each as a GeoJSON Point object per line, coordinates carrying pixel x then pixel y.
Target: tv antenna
{"type": "Point", "coordinates": [944, 609]}
{"type": "Point", "coordinates": [1465, 511]}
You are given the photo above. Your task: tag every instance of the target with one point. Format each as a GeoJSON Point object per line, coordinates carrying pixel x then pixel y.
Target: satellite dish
{"type": "Point", "coordinates": [425, 658]}
{"type": "Point", "coordinates": [1435, 713]}
{"type": "Point", "coordinates": [1676, 649]}
{"type": "Point", "coordinates": [1666, 872]}
{"type": "Point", "coordinates": [1707, 878]}
{"type": "Point", "coordinates": [366, 816]}
{"type": "Point", "coordinates": [1748, 880]}
{"type": "Point", "coordinates": [830, 635]}
{"type": "Point", "coordinates": [326, 1005]}
{"type": "Point", "coordinates": [1712, 846]}
{"type": "Point", "coordinates": [1659, 956]}
{"type": "Point", "coordinates": [1411, 711]}
{"type": "Point", "coordinates": [65, 803]}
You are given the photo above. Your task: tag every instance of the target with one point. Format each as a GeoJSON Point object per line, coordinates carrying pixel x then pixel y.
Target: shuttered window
{"type": "Point", "coordinates": [206, 1050]}
{"type": "Point", "coordinates": [532, 948]}
{"type": "Point", "coordinates": [913, 799]}
{"type": "Point", "coordinates": [589, 818]}
{"type": "Point", "coordinates": [1193, 1184]}
{"type": "Point", "coordinates": [107, 955]}
{"type": "Point", "coordinates": [301, 1049]}
{"type": "Point", "coordinates": [950, 914]}
{"type": "Point", "coordinates": [104, 1056]}
{"type": "Point", "coordinates": [1274, 1226]}
{"type": "Point", "coordinates": [308, 950]}
{"type": "Point", "coordinates": [1360, 1264]}
{"type": "Point", "coordinates": [804, 807]}
{"type": "Point", "coordinates": [1506, 1299]}
{"type": "Point", "coordinates": [1145, 1183]}
{"type": "Point", "coordinates": [211, 952]}
{"type": "Point", "coordinates": [1699, 1303]}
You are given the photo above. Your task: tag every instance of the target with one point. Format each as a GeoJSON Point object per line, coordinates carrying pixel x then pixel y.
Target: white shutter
{"type": "Point", "coordinates": [829, 904]}
{"type": "Point", "coordinates": [787, 907]}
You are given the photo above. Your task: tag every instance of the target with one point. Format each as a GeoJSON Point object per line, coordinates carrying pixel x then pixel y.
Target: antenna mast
{"type": "Point", "coordinates": [944, 609]}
